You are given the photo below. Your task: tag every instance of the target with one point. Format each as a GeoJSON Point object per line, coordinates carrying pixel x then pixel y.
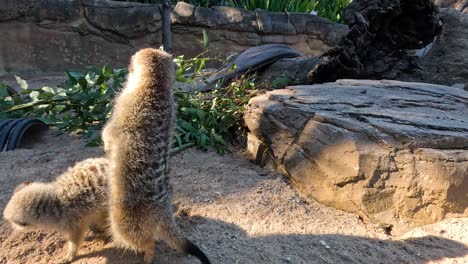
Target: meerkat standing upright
{"type": "Point", "coordinates": [137, 139]}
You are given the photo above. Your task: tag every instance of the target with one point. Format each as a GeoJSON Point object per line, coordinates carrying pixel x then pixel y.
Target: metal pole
{"type": "Point", "coordinates": [166, 28]}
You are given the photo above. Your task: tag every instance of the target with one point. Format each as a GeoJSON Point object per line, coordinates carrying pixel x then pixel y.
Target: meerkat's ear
{"type": "Point", "coordinates": [21, 186]}
{"type": "Point", "coordinates": [130, 65]}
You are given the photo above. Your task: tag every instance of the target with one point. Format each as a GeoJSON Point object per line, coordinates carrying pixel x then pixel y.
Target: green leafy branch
{"type": "Point", "coordinates": [83, 103]}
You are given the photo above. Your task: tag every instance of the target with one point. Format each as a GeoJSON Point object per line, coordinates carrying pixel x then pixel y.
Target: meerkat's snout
{"type": "Point", "coordinates": [16, 213]}
{"type": "Point", "coordinates": [13, 212]}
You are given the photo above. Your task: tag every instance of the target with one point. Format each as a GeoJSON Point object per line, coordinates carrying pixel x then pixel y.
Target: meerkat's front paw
{"type": "Point", "coordinates": [67, 259]}
{"type": "Point", "coordinates": [149, 256]}
{"type": "Point", "coordinates": [71, 252]}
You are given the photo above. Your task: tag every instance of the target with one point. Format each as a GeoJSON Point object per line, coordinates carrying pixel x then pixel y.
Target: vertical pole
{"type": "Point", "coordinates": [166, 28]}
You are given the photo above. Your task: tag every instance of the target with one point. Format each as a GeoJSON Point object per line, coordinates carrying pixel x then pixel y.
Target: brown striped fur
{"type": "Point", "coordinates": [137, 139]}
{"type": "Point", "coordinates": [72, 203]}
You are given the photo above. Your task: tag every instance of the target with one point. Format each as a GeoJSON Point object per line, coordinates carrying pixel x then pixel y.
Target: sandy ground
{"type": "Point", "coordinates": [235, 211]}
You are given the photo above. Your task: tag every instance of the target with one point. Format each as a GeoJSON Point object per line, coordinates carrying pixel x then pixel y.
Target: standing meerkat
{"type": "Point", "coordinates": [137, 139]}
{"type": "Point", "coordinates": [71, 204]}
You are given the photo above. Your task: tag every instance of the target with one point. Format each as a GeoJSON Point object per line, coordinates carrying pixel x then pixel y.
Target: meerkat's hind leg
{"type": "Point", "coordinates": [100, 228]}
{"type": "Point", "coordinates": [75, 237]}
{"type": "Point", "coordinates": [101, 233]}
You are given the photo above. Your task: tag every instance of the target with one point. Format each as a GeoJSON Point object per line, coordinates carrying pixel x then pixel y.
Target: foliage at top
{"type": "Point", "coordinates": [204, 3]}
{"type": "Point", "coordinates": [330, 9]}
{"type": "Point", "coordinates": [303, 6]}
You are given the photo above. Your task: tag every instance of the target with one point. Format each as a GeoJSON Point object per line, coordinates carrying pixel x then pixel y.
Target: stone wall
{"type": "Point", "coordinates": [52, 35]}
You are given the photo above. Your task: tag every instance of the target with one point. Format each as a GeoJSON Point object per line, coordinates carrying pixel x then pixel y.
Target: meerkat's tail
{"type": "Point", "coordinates": [189, 248]}
{"type": "Point", "coordinates": [174, 238]}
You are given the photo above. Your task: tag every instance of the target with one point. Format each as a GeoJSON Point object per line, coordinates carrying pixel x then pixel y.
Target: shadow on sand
{"type": "Point", "coordinates": [226, 243]}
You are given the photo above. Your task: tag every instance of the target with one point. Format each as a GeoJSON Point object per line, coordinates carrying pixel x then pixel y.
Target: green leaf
{"type": "Point", "coordinates": [106, 71]}
{"type": "Point", "coordinates": [182, 79]}
{"type": "Point", "coordinates": [91, 78]}
{"type": "Point", "coordinates": [34, 95]}
{"type": "Point", "coordinates": [73, 76]}
{"type": "Point", "coordinates": [206, 41]}
{"type": "Point", "coordinates": [77, 97]}
{"type": "Point", "coordinates": [48, 89]}
{"type": "Point", "coordinates": [201, 115]}
{"type": "Point", "coordinates": [45, 95]}
{"type": "Point", "coordinates": [187, 137]}
{"type": "Point", "coordinates": [202, 65]}
{"type": "Point", "coordinates": [76, 74]}
{"type": "Point", "coordinates": [22, 83]}
{"type": "Point", "coordinates": [100, 80]}
{"type": "Point", "coordinates": [178, 139]}
{"type": "Point", "coordinates": [83, 83]}
{"type": "Point", "coordinates": [94, 142]}
{"type": "Point", "coordinates": [3, 89]}
{"type": "Point", "coordinates": [120, 73]}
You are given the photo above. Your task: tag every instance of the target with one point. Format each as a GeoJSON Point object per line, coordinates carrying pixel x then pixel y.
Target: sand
{"type": "Point", "coordinates": [235, 211]}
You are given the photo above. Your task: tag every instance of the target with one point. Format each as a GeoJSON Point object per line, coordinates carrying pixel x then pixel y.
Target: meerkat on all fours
{"type": "Point", "coordinates": [71, 204]}
{"type": "Point", "coordinates": [137, 139]}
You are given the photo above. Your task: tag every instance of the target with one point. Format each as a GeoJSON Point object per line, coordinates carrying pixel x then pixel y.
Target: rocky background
{"type": "Point", "coordinates": [52, 35]}
{"type": "Point", "coordinates": [459, 5]}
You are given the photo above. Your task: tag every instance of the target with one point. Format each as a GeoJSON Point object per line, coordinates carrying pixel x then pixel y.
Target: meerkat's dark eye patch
{"type": "Point", "coordinates": [21, 223]}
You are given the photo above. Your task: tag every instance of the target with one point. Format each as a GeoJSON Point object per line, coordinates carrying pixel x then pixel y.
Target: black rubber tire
{"type": "Point", "coordinates": [4, 122]}
{"type": "Point", "coordinates": [6, 130]}
{"type": "Point", "coordinates": [16, 135]}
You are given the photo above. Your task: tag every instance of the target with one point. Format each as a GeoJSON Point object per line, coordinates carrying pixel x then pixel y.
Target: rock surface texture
{"type": "Point", "coordinates": [292, 70]}
{"type": "Point", "coordinates": [392, 152]}
{"type": "Point", "coordinates": [447, 61]}
{"type": "Point", "coordinates": [459, 5]}
{"type": "Point", "coordinates": [51, 35]}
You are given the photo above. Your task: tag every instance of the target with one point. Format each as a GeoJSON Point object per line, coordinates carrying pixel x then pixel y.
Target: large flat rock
{"type": "Point", "coordinates": [393, 152]}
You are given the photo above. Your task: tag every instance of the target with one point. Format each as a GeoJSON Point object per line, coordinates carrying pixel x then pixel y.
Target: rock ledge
{"type": "Point", "coordinates": [393, 152]}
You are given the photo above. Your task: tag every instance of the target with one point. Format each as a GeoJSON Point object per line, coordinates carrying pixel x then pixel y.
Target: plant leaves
{"type": "Point", "coordinates": [206, 41]}
{"type": "Point", "coordinates": [22, 83]}
{"type": "Point", "coordinates": [33, 95]}
{"type": "Point", "coordinates": [3, 89]}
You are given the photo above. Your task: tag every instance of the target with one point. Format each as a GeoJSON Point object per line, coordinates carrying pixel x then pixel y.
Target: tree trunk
{"type": "Point", "coordinates": [382, 36]}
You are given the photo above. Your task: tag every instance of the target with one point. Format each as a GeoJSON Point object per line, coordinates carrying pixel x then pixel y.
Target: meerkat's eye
{"type": "Point", "coordinates": [22, 224]}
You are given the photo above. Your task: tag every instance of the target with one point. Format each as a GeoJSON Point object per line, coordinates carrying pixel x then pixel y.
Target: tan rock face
{"type": "Point", "coordinates": [55, 35]}
{"type": "Point", "coordinates": [393, 152]}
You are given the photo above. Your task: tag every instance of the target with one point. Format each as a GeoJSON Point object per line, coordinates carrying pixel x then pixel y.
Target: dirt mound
{"type": "Point", "coordinates": [236, 212]}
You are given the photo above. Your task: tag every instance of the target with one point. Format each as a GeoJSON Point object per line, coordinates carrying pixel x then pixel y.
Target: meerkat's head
{"type": "Point", "coordinates": [23, 209]}
{"type": "Point", "coordinates": [153, 64]}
